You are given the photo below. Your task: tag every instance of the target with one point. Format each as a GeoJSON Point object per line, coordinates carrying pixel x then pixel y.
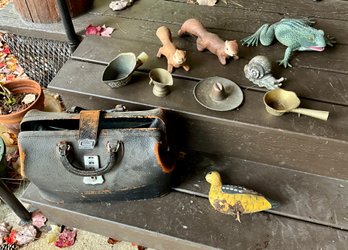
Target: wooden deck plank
{"type": "Point", "coordinates": [249, 127]}
{"type": "Point", "coordinates": [333, 56]}
{"type": "Point", "coordinates": [275, 147]}
{"type": "Point", "coordinates": [300, 195]}
{"type": "Point", "coordinates": [308, 83]}
{"type": "Point", "coordinates": [329, 9]}
{"type": "Point", "coordinates": [187, 222]}
{"type": "Point", "coordinates": [220, 18]}
{"type": "Point", "coordinates": [216, 19]}
{"type": "Point", "coordinates": [139, 30]}
{"type": "Point", "coordinates": [88, 81]}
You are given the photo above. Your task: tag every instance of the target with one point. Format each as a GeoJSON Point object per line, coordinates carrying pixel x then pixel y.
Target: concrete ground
{"type": "Point", "coordinates": [84, 240]}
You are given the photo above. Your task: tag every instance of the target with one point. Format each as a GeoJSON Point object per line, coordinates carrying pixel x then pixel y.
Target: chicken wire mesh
{"type": "Point", "coordinates": [40, 58]}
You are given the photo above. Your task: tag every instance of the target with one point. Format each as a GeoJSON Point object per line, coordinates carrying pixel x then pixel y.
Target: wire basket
{"type": "Point", "coordinates": [40, 58]}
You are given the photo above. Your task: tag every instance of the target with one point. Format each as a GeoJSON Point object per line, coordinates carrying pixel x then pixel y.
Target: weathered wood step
{"type": "Point", "coordinates": [301, 143]}
{"type": "Point", "coordinates": [302, 196]}
{"type": "Point", "coordinates": [181, 221]}
{"type": "Point", "coordinates": [330, 9]}
{"type": "Point", "coordinates": [306, 82]}
{"type": "Point", "coordinates": [319, 76]}
{"type": "Point", "coordinates": [330, 60]}
{"type": "Point", "coordinates": [245, 20]}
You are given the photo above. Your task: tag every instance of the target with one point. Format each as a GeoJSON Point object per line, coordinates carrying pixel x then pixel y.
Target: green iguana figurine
{"type": "Point", "coordinates": [296, 34]}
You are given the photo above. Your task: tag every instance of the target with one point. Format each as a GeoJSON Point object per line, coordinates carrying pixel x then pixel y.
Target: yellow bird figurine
{"type": "Point", "coordinates": [235, 200]}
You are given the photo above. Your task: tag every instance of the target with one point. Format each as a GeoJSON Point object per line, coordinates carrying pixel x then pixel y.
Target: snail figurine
{"type": "Point", "coordinates": [258, 70]}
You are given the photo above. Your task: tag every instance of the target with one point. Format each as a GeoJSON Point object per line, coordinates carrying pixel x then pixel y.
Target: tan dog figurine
{"type": "Point", "coordinates": [175, 57]}
{"type": "Point", "coordinates": [210, 41]}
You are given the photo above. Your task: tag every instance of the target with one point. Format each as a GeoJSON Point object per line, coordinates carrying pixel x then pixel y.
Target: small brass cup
{"type": "Point", "coordinates": [161, 80]}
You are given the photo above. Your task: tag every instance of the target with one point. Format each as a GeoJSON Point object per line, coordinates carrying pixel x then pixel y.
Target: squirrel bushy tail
{"type": "Point", "coordinates": [191, 26]}
{"type": "Point", "coordinates": [164, 34]}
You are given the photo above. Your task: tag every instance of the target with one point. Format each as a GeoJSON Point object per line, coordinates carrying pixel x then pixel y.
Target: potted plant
{"type": "Point", "coordinates": [3, 171]}
{"type": "Point", "coordinates": [16, 99]}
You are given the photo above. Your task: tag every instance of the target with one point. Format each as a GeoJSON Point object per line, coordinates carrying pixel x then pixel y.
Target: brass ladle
{"type": "Point", "coordinates": [280, 101]}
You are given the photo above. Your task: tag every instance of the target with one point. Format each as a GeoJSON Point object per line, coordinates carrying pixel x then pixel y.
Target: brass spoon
{"type": "Point", "coordinates": [280, 101]}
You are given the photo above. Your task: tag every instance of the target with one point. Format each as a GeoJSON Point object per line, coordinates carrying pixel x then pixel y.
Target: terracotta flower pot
{"type": "Point", "coordinates": [12, 121]}
{"type": "Point", "coordinates": [3, 172]}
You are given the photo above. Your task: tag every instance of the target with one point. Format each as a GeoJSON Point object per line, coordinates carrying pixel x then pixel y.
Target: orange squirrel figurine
{"type": "Point", "coordinates": [210, 41]}
{"type": "Point", "coordinates": [175, 57]}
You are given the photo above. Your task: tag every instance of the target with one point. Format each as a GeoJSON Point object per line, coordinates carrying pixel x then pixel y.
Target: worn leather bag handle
{"type": "Point", "coordinates": [64, 153]}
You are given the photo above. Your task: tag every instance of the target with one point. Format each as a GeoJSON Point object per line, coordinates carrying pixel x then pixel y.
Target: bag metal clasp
{"type": "Point", "coordinates": [88, 129]}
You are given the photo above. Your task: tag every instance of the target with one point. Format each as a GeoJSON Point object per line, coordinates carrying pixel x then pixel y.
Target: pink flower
{"type": "Point", "coordinates": [38, 219]}
{"type": "Point", "coordinates": [91, 30]}
{"type": "Point", "coordinates": [106, 31]}
{"type": "Point", "coordinates": [66, 238]}
{"type": "Point", "coordinates": [99, 30]}
{"type": "Point", "coordinates": [6, 50]}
